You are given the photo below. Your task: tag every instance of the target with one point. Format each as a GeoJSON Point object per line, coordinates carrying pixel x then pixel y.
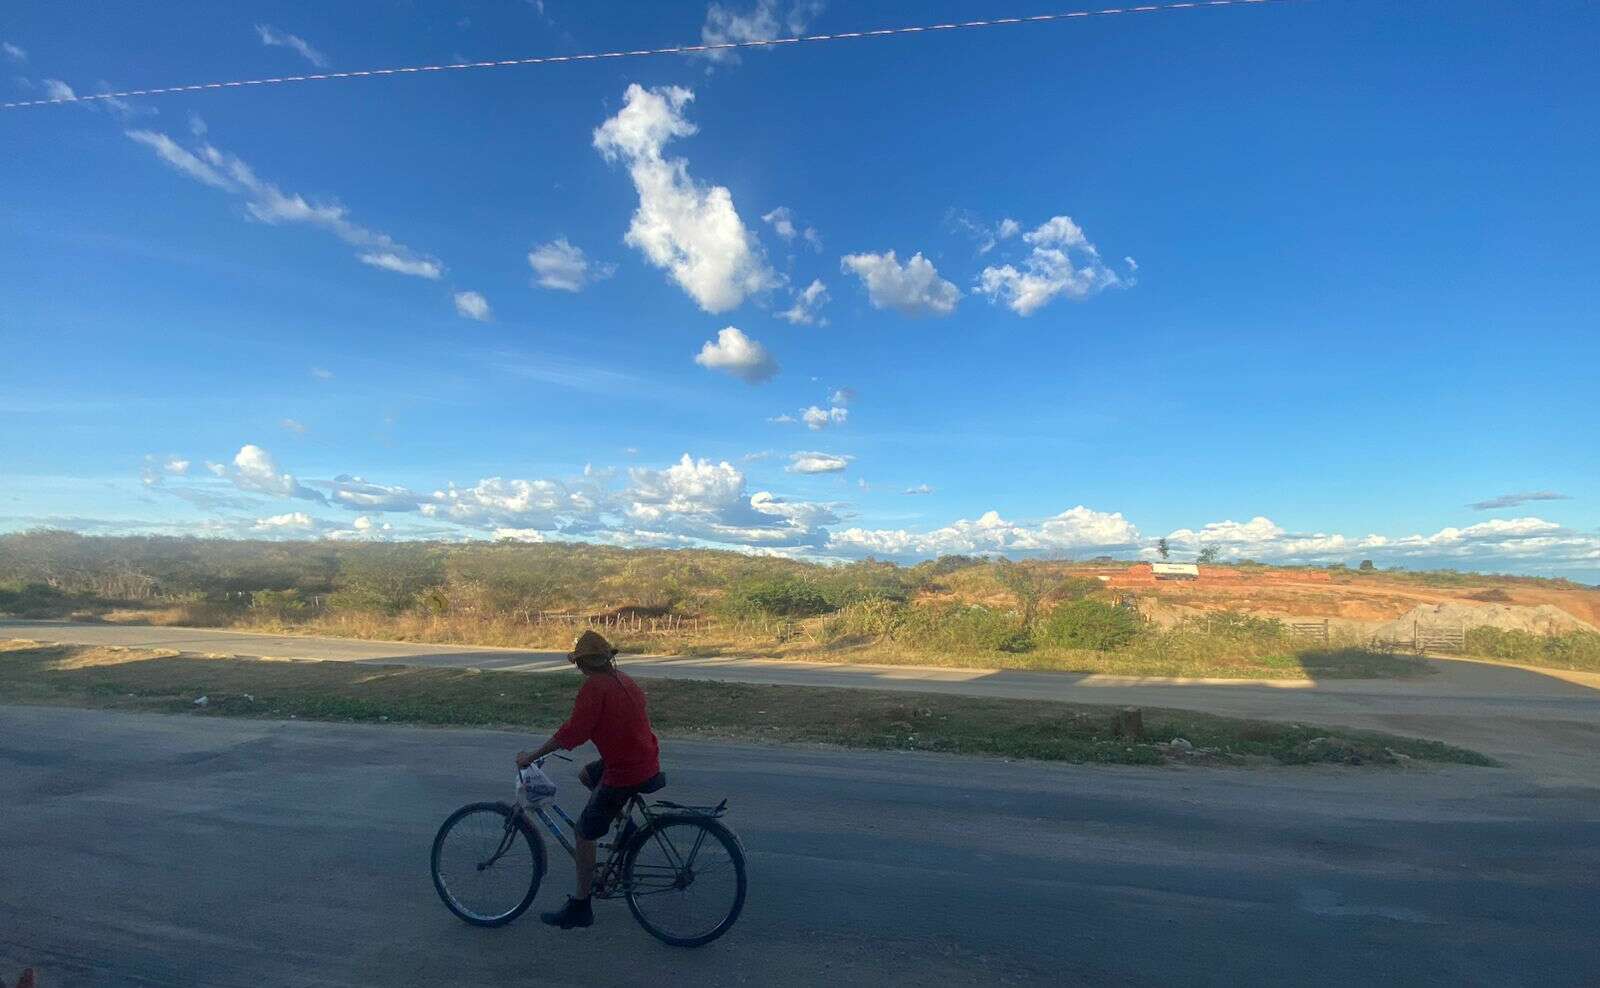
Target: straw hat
{"type": "Point", "coordinates": [591, 649]}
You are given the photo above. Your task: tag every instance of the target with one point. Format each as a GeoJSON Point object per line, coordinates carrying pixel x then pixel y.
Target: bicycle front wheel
{"type": "Point", "coordinates": [487, 863]}
{"type": "Point", "coordinates": [684, 878]}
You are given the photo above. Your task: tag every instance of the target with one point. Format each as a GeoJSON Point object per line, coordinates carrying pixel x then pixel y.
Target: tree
{"type": "Point", "coordinates": [1366, 566]}
{"type": "Point", "coordinates": [1023, 585]}
{"type": "Point", "coordinates": [1209, 554]}
{"type": "Point", "coordinates": [1162, 547]}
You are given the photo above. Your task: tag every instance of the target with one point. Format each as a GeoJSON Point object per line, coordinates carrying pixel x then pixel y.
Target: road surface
{"type": "Point", "coordinates": [178, 850]}
{"type": "Point", "coordinates": [1545, 723]}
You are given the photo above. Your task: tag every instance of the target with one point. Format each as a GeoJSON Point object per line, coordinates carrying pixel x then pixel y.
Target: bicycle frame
{"type": "Point", "coordinates": [606, 873]}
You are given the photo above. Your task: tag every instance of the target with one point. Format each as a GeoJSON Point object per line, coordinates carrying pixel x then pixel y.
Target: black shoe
{"type": "Point", "coordinates": [577, 912]}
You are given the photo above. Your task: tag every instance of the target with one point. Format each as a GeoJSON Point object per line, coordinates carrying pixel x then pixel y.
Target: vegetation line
{"type": "Point", "coordinates": [167, 682]}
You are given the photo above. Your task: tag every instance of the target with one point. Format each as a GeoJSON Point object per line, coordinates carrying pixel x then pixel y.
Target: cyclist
{"type": "Point", "coordinates": [610, 711]}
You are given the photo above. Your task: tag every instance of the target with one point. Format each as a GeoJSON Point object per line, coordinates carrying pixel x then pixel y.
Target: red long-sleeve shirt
{"type": "Point", "coordinates": [610, 711]}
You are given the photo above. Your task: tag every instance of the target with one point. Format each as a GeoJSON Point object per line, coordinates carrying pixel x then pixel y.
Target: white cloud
{"type": "Point", "coordinates": [764, 21]}
{"type": "Point", "coordinates": [272, 37]}
{"type": "Point", "coordinates": [473, 306]}
{"type": "Point", "coordinates": [417, 267]}
{"type": "Point", "coordinates": [294, 426]}
{"type": "Point", "coordinates": [688, 229]}
{"type": "Point", "coordinates": [291, 520]}
{"type": "Point", "coordinates": [806, 304]}
{"type": "Point", "coordinates": [176, 465]}
{"type": "Point", "coordinates": [255, 470]}
{"type": "Point", "coordinates": [842, 396]}
{"type": "Point", "coordinates": [14, 52]}
{"type": "Point", "coordinates": [56, 89]}
{"type": "Point", "coordinates": [360, 494]}
{"type": "Point", "coordinates": [217, 469]}
{"type": "Point", "coordinates": [783, 224]}
{"type": "Point", "coordinates": [699, 499]}
{"type": "Point", "coordinates": [810, 462]}
{"type": "Point", "coordinates": [737, 354]}
{"type": "Point", "coordinates": [986, 236]}
{"type": "Point", "coordinates": [817, 419]}
{"type": "Point", "coordinates": [561, 266]}
{"type": "Point", "coordinates": [1050, 270]}
{"type": "Point", "coordinates": [322, 373]}
{"type": "Point", "coordinates": [1075, 529]}
{"type": "Point", "coordinates": [914, 289]}
{"type": "Point", "coordinates": [1499, 539]}
{"type": "Point", "coordinates": [268, 204]}
{"type": "Point", "coordinates": [917, 490]}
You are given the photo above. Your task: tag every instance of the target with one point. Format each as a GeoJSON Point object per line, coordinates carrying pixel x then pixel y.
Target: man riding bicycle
{"type": "Point", "coordinates": [610, 711]}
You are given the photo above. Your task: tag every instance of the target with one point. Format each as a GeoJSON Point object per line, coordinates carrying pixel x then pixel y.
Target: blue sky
{"type": "Point", "coordinates": [1302, 281]}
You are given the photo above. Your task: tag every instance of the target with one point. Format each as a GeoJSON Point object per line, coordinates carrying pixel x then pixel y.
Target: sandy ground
{"type": "Point", "coordinates": [156, 850]}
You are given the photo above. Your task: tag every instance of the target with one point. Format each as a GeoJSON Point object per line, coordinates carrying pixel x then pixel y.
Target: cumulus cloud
{"type": "Point", "coordinates": [256, 470]}
{"type": "Point", "coordinates": [1499, 539]}
{"type": "Point", "coordinates": [543, 504]}
{"type": "Point", "coordinates": [764, 21]}
{"type": "Point", "coordinates": [1075, 529]}
{"type": "Point", "coordinates": [705, 500]}
{"type": "Point", "coordinates": [817, 419]}
{"type": "Point", "coordinates": [472, 305]}
{"type": "Point", "coordinates": [273, 38]}
{"type": "Point", "coordinates": [217, 469]}
{"type": "Point", "coordinates": [1512, 500]}
{"type": "Point", "coordinates": [914, 288]}
{"type": "Point", "coordinates": [267, 203]}
{"type": "Point", "coordinates": [1062, 263]}
{"type": "Point", "coordinates": [737, 354]}
{"type": "Point", "coordinates": [296, 520]}
{"type": "Point", "coordinates": [917, 490]}
{"type": "Point", "coordinates": [689, 229]}
{"type": "Point", "coordinates": [811, 462]}
{"type": "Point", "coordinates": [806, 303]}
{"type": "Point", "coordinates": [563, 267]}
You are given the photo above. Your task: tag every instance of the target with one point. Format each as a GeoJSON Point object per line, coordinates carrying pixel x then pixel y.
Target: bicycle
{"type": "Point", "coordinates": [680, 868]}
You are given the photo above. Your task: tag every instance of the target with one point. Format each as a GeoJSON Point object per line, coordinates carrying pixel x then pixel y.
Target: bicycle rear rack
{"type": "Point", "coordinates": [711, 811]}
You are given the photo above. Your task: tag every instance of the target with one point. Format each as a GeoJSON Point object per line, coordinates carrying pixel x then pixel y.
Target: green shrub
{"type": "Point", "coordinates": [1573, 650]}
{"type": "Point", "coordinates": [777, 597]}
{"type": "Point", "coordinates": [955, 629]}
{"type": "Point", "coordinates": [34, 600]}
{"type": "Point", "coordinates": [1091, 624]}
{"type": "Point", "coordinates": [278, 605]}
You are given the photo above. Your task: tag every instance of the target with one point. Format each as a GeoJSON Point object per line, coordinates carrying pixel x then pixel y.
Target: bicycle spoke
{"type": "Point", "coordinates": [685, 898]}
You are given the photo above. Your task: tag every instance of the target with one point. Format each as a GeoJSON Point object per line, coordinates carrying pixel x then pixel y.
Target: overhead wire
{"type": "Point", "coordinates": [642, 52]}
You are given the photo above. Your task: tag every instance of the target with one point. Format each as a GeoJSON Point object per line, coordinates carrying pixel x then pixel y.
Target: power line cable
{"type": "Point", "coordinates": [675, 50]}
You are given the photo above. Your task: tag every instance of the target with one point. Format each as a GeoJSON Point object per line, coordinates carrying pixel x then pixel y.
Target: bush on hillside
{"type": "Point", "coordinates": [777, 597]}
{"type": "Point", "coordinates": [1090, 624]}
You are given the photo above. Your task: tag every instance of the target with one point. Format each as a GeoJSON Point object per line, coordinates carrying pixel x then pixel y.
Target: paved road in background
{"type": "Point", "coordinates": [1547, 724]}
{"type": "Point", "coordinates": [177, 850]}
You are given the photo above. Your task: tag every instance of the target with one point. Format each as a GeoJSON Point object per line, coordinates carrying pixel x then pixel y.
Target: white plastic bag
{"type": "Point", "coordinates": [533, 785]}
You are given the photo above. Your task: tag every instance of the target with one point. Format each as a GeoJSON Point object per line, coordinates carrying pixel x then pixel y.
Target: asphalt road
{"type": "Point", "coordinates": [1544, 723]}
{"type": "Point", "coordinates": [176, 850]}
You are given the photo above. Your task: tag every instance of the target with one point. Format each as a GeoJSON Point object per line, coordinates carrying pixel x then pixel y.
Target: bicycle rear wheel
{"type": "Point", "coordinates": [684, 879]}
{"type": "Point", "coordinates": [487, 863]}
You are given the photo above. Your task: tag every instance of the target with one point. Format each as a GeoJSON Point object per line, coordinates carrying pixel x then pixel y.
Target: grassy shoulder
{"type": "Point", "coordinates": [1174, 654]}
{"type": "Point", "coordinates": [131, 679]}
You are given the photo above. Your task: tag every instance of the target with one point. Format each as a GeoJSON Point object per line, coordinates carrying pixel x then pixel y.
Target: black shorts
{"type": "Point", "coordinates": [605, 802]}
